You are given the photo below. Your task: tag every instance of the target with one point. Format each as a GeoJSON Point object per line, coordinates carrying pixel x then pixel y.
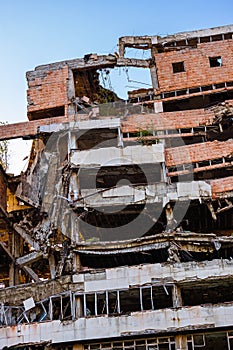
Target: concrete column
{"type": "Point", "coordinates": [181, 342]}
{"type": "Point", "coordinates": [78, 306]}
{"type": "Point", "coordinates": [76, 263]}
{"type": "Point", "coordinates": [16, 249]}
{"type": "Point", "coordinates": [154, 77]}
{"type": "Point", "coordinates": [176, 296]}
{"type": "Point", "coordinates": [11, 265]}
{"type": "Point", "coordinates": [163, 173]}
{"type": "Point", "coordinates": [52, 266]}
{"type": "Point", "coordinates": [158, 106]}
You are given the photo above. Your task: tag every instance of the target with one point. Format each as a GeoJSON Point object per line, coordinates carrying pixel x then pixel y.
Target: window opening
{"type": "Point", "coordinates": [178, 67]}
{"type": "Point", "coordinates": [215, 61]}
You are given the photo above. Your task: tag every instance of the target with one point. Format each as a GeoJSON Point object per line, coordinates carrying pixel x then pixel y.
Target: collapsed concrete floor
{"type": "Point", "coordinates": [120, 232]}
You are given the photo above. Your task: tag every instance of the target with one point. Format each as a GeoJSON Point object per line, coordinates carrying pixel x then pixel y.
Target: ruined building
{"type": "Point", "coordinates": [119, 235]}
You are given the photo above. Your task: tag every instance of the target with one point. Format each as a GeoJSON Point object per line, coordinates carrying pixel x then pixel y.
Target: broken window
{"type": "Point", "coordinates": [164, 344]}
{"type": "Point", "coordinates": [102, 303]}
{"type": "Point", "coordinates": [215, 61]}
{"type": "Point", "coordinates": [199, 340]}
{"type": "Point", "coordinates": [178, 67]}
{"type": "Point", "coordinates": [230, 340]}
{"type": "Point", "coordinates": [89, 302]}
{"type": "Point", "coordinates": [95, 304]}
{"type": "Point", "coordinates": [162, 297]}
{"type": "Point", "coordinates": [113, 302]}
{"type": "Point", "coordinates": [124, 301]}
{"type": "Point", "coordinates": [60, 307]}
{"type": "Point", "coordinates": [130, 300]}
{"type": "Point", "coordinates": [147, 298]}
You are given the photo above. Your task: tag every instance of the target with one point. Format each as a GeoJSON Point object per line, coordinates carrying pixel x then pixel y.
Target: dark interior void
{"type": "Point", "coordinates": [121, 223]}
{"type": "Point", "coordinates": [116, 224]}
{"type": "Point", "coordinates": [207, 292]}
{"type": "Point", "coordinates": [211, 134]}
{"type": "Point", "coordinates": [196, 102]}
{"type": "Point", "coordinates": [4, 267]}
{"type": "Point", "coordinates": [41, 268]}
{"type": "Point", "coordinates": [151, 256]}
{"type": "Point", "coordinates": [154, 298]}
{"type": "Point", "coordinates": [214, 173]}
{"type": "Point", "coordinates": [47, 113]}
{"type": "Point", "coordinates": [95, 138]}
{"type": "Point", "coordinates": [107, 177]}
{"type": "Point", "coordinates": [198, 218]}
{"type": "Point", "coordinates": [181, 141]}
{"type": "Point", "coordinates": [195, 138]}
{"type": "Point", "coordinates": [86, 83]}
{"type": "Point", "coordinates": [224, 135]}
{"type": "Point", "coordinates": [205, 174]}
{"type": "Point", "coordinates": [126, 259]}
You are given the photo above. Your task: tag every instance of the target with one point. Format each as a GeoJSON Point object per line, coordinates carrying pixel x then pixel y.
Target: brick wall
{"type": "Point", "coordinates": [3, 189]}
{"type": "Point", "coordinates": [198, 152]}
{"type": "Point", "coordinates": [221, 185]}
{"type": "Point", "coordinates": [197, 68]}
{"type": "Point", "coordinates": [17, 130]}
{"type": "Point", "coordinates": [168, 120]}
{"type": "Point", "coordinates": [48, 91]}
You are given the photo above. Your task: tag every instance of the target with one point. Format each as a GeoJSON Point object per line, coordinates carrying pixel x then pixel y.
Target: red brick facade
{"type": "Point", "coordinates": [168, 120]}
{"type": "Point", "coordinates": [197, 66]}
{"type": "Point", "coordinates": [49, 91]}
{"type": "Point", "coordinates": [198, 152]}
{"type": "Point", "coordinates": [221, 186]}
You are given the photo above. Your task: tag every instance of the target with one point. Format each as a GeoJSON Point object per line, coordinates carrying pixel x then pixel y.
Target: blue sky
{"type": "Point", "coordinates": [41, 31]}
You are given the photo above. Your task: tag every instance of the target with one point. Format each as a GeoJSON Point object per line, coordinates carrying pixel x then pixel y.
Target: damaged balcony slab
{"type": "Point", "coordinates": [79, 63]}
{"type": "Point", "coordinates": [167, 247]}
{"type": "Point", "coordinates": [40, 290]}
{"type": "Point", "coordinates": [113, 123]}
{"type": "Point", "coordinates": [156, 274]}
{"type": "Point", "coordinates": [195, 242]}
{"type": "Point", "coordinates": [138, 323]}
{"type": "Point", "coordinates": [156, 193]}
{"type": "Point", "coordinates": [119, 156]}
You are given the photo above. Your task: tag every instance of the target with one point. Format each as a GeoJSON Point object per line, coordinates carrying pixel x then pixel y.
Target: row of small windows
{"type": "Point", "coordinates": [213, 61]}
